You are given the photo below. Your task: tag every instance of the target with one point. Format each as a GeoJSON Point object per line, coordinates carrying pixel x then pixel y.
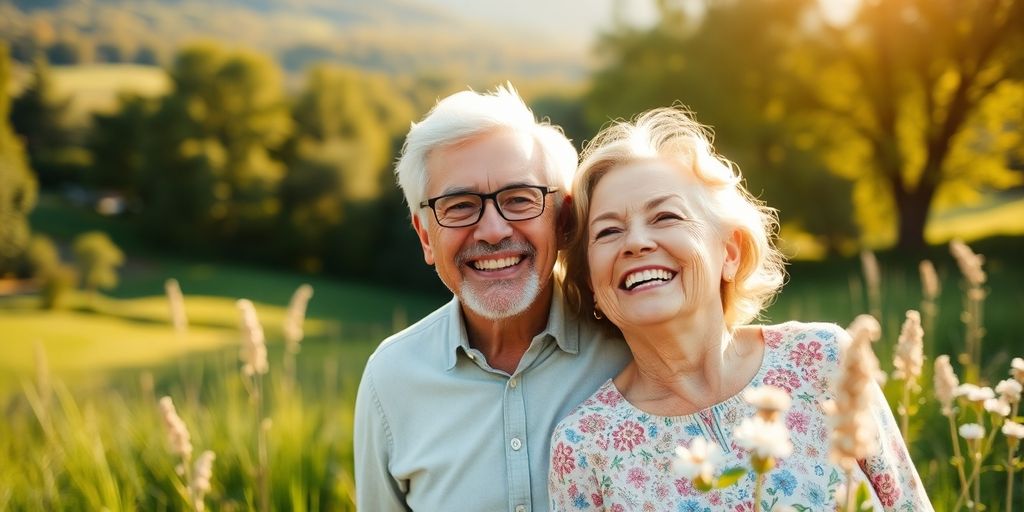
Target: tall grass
{"type": "Point", "coordinates": [70, 446]}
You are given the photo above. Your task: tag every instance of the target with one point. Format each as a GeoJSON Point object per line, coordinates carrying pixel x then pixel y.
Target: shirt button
{"type": "Point", "coordinates": [513, 382]}
{"type": "Point", "coordinates": [520, 508]}
{"type": "Point", "coordinates": [516, 443]}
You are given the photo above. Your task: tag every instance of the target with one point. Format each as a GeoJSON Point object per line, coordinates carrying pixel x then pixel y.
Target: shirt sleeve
{"type": "Point", "coordinates": [572, 486]}
{"type": "Point", "coordinates": [890, 471]}
{"type": "Point", "coordinates": [376, 488]}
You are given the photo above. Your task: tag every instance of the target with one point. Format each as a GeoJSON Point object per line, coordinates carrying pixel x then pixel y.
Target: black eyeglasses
{"type": "Point", "coordinates": [462, 209]}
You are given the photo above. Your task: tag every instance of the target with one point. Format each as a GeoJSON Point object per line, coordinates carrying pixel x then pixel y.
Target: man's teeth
{"type": "Point", "coordinates": [647, 275]}
{"type": "Point", "coordinates": [496, 264]}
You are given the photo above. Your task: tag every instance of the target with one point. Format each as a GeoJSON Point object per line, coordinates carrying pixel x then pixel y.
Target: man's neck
{"type": "Point", "coordinates": [504, 341]}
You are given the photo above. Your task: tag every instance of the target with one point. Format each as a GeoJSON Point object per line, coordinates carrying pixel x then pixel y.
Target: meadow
{"type": "Point", "coordinates": [80, 387]}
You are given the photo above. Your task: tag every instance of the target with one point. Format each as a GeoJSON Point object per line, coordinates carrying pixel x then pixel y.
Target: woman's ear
{"type": "Point", "coordinates": [733, 255]}
{"type": "Point", "coordinates": [565, 223]}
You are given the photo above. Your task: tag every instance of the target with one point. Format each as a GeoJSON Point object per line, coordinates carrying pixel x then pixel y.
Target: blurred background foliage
{"type": "Point", "coordinates": [246, 146]}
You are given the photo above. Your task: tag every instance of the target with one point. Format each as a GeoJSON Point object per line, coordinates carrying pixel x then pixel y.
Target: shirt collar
{"type": "Point", "coordinates": [562, 326]}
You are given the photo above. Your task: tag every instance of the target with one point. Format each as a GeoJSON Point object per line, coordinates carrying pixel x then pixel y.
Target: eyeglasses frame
{"type": "Point", "coordinates": [493, 196]}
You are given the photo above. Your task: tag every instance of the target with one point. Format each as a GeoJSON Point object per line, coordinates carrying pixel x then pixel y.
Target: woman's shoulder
{"type": "Point", "coordinates": [794, 332]}
{"type": "Point", "coordinates": [593, 415]}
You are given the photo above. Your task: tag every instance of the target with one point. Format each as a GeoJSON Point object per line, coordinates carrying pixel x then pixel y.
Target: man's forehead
{"type": "Point", "coordinates": [485, 163]}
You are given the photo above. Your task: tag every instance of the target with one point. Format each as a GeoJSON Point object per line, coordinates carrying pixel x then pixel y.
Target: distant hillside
{"type": "Point", "coordinates": [394, 36]}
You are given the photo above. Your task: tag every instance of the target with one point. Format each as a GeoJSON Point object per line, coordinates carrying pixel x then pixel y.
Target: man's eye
{"type": "Point", "coordinates": [464, 205]}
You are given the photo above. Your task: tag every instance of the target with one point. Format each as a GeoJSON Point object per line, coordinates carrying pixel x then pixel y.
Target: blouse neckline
{"type": "Point", "coordinates": [736, 399]}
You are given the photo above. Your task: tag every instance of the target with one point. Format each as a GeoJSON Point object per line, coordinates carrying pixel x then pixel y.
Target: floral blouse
{"type": "Point", "coordinates": [609, 455]}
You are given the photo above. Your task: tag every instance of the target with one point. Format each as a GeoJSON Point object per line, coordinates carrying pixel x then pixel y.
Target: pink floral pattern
{"type": "Point", "coordinates": [608, 455]}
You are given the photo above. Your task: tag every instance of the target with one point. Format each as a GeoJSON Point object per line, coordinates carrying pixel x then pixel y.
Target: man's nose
{"type": "Point", "coordinates": [492, 227]}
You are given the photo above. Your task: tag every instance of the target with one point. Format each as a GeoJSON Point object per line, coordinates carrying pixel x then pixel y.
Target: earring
{"type": "Point", "coordinates": [597, 311]}
{"type": "Point", "coordinates": [729, 278]}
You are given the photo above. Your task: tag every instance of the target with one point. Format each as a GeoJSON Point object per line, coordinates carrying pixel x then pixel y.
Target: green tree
{"type": "Point", "coordinates": [913, 101]}
{"type": "Point", "coordinates": [722, 65]}
{"type": "Point", "coordinates": [39, 116]}
{"type": "Point", "coordinates": [55, 278]}
{"type": "Point", "coordinates": [18, 186]}
{"type": "Point", "coordinates": [920, 100]}
{"type": "Point", "coordinates": [212, 174]}
{"type": "Point", "coordinates": [97, 259]}
{"type": "Point", "coordinates": [117, 143]}
{"type": "Point", "coordinates": [339, 161]}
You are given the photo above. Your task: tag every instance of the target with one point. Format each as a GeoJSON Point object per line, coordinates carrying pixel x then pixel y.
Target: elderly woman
{"type": "Point", "coordinates": [672, 251]}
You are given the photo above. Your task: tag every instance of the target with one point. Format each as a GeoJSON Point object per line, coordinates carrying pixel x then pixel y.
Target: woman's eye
{"type": "Point", "coordinates": [605, 232]}
{"type": "Point", "coordinates": [667, 216]}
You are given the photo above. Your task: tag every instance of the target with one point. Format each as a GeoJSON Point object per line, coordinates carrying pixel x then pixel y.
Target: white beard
{"type": "Point", "coordinates": [499, 300]}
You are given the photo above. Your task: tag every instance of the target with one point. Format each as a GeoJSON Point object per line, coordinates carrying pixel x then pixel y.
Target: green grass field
{"type": "Point", "coordinates": [88, 436]}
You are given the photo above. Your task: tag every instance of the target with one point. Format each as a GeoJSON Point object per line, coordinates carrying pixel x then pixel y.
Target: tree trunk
{"type": "Point", "coordinates": [912, 211]}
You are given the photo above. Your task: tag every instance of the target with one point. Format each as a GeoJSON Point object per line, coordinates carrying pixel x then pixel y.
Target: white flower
{"type": "Point", "coordinates": [698, 461]}
{"type": "Point", "coordinates": [997, 406]}
{"type": "Point", "coordinates": [946, 384]}
{"type": "Point", "coordinates": [293, 322]}
{"type": "Point", "coordinates": [202, 472]}
{"type": "Point", "coordinates": [972, 431]}
{"type": "Point", "coordinates": [909, 356]}
{"type": "Point", "coordinates": [1017, 369]}
{"type": "Point", "coordinates": [254, 348]}
{"type": "Point", "coordinates": [1015, 430]}
{"type": "Point", "coordinates": [763, 438]}
{"type": "Point", "coordinates": [929, 280]}
{"type": "Point", "coordinates": [974, 393]}
{"type": "Point", "coordinates": [969, 262]}
{"type": "Point", "coordinates": [1009, 390]}
{"type": "Point", "coordinates": [769, 400]}
{"type": "Point", "coordinates": [177, 432]}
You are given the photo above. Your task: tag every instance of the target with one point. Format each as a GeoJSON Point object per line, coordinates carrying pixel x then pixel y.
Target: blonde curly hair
{"type": "Point", "coordinates": [671, 135]}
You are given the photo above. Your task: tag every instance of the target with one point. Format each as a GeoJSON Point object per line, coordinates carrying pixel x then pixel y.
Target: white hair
{"type": "Point", "coordinates": [468, 114]}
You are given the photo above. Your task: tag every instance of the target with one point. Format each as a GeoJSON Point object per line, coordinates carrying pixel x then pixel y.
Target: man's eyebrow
{"type": "Point", "coordinates": [649, 205]}
{"type": "Point", "coordinates": [463, 190]}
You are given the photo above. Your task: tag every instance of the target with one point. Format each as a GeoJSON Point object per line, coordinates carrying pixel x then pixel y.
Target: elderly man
{"type": "Point", "coordinates": [455, 413]}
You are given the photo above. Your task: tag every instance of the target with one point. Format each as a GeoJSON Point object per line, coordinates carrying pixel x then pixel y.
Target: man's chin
{"type": "Point", "coordinates": [499, 301]}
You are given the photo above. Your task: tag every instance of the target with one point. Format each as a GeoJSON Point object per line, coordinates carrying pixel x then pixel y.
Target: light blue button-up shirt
{"type": "Point", "coordinates": [437, 429]}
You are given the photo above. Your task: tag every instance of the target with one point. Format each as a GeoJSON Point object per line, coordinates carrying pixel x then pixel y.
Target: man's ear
{"type": "Point", "coordinates": [565, 223]}
{"type": "Point", "coordinates": [421, 232]}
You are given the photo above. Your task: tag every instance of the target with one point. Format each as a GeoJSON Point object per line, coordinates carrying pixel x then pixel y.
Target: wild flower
{"type": "Point", "coordinates": [254, 349]}
{"type": "Point", "coordinates": [930, 287]}
{"type": "Point", "coordinates": [1009, 390]}
{"type": "Point", "coordinates": [763, 438]}
{"type": "Point", "coordinates": [853, 429]}
{"type": "Point", "coordinates": [1013, 429]}
{"type": "Point", "coordinates": [201, 475]}
{"type": "Point", "coordinates": [969, 262]}
{"type": "Point", "coordinates": [873, 280]}
{"type": "Point", "coordinates": [946, 384]}
{"type": "Point", "coordinates": [176, 301]}
{"type": "Point", "coordinates": [997, 406]}
{"type": "Point", "coordinates": [975, 393]}
{"type": "Point", "coordinates": [698, 462]}
{"type": "Point", "coordinates": [177, 433]}
{"type": "Point", "coordinates": [769, 401]}
{"type": "Point", "coordinates": [1017, 369]}
{"type": "Point", "coordinates": [909, 355]}
{"type": "Point", "coordinates": [972, 431]}
{"type": "Point", "coordinates": [293, 322]}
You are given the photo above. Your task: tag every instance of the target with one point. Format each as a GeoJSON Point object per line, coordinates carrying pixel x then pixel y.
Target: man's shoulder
{"type": "Point", "coordinates": [409, 345]}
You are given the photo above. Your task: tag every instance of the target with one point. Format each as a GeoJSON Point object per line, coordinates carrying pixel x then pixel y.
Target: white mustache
{"type": "Point", "coordinates": [483, 249]}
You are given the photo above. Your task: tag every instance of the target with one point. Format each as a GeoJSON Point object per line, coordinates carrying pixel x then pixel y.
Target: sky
{"type": "Point", "coordinates": [572, 22]}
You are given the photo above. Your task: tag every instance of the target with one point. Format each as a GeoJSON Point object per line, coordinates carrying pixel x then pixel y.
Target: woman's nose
{"type": "Point", "coordinates": [638, 241]}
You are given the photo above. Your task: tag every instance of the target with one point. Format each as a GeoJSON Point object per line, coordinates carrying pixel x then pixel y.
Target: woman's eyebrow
{"type": "Point", "coordinates": [649, 205]}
